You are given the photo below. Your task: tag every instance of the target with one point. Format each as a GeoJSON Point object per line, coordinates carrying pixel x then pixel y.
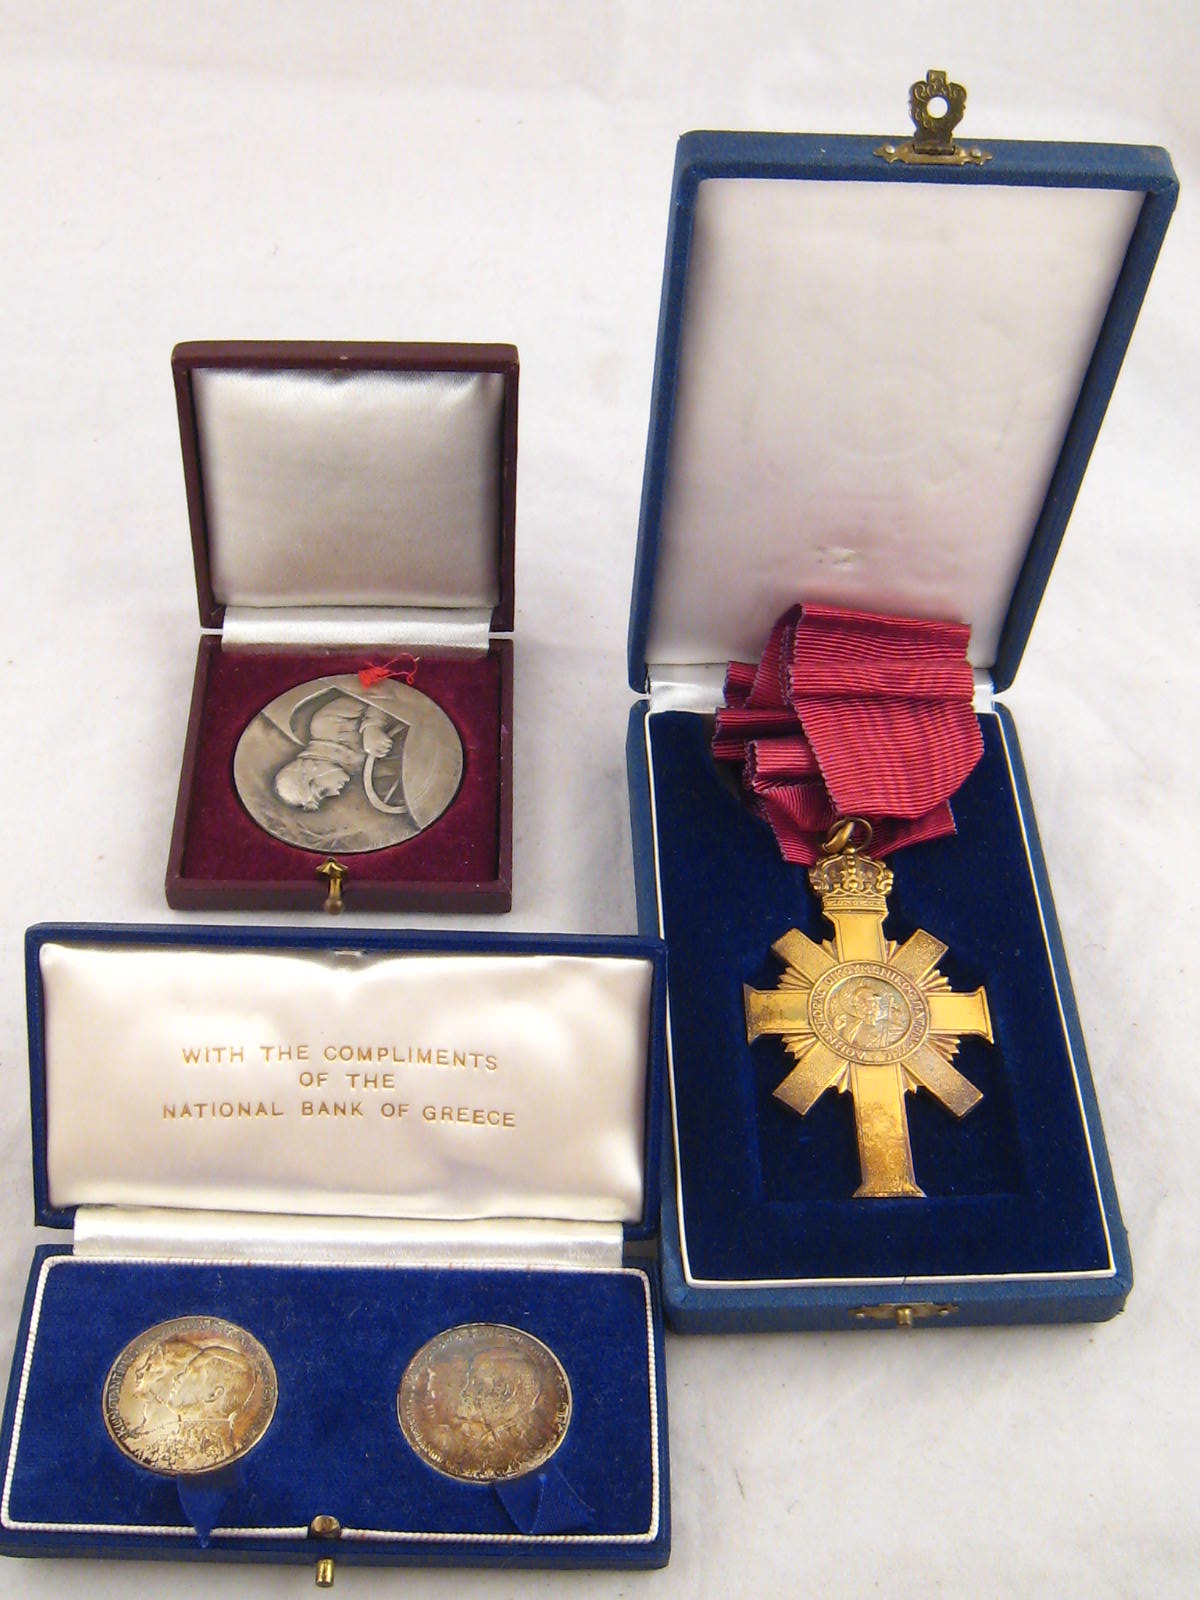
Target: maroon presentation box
{"type": "Point", "coordinates": [352, 511]}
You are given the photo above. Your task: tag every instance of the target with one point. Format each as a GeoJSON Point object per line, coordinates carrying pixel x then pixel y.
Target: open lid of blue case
{"type": "Point", "coordinates": [877, 384]}
{"type": "Point", "coordinates": [212, 1069]}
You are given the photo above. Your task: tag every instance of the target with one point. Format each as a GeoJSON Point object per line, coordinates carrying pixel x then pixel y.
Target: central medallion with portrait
{"type": "Point", "coordinates": [867, 1012]}
{"type": "Point", "coordinates": [332, 765]}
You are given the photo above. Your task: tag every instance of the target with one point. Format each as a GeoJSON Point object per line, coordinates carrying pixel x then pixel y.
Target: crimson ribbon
{"type": "Point", "coordinates": [849, 714]}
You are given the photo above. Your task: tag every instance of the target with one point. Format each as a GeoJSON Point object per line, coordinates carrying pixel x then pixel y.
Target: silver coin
{"type": "Point", "coordinates": [483, 1402]}
{"type": "Point", "coordinates": [334, 767]}
{"type": "Point", "coordinates": [191, 1395]}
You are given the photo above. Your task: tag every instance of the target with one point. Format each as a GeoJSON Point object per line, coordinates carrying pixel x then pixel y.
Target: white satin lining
{"type": "Point", "coordinates": [701, 688]}
{"type": "Point", "coordinates": [687, 687]}
{"type": "Point", "coordinates": [352, 488]}
{"type": "Point", "coordinates": [460, 632]}
{"type": "Point", "coordinates": [553, 1130]}
{"type": "Point", "coordinates": [874, 384]}
{"type": "Point", "coordinates": [154, 1234]}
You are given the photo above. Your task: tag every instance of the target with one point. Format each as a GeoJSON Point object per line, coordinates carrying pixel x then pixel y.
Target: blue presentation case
{"type": "Point", "coordinates": [340, 1328]}
{"type": "Point", "coordinates": [760, 1229]}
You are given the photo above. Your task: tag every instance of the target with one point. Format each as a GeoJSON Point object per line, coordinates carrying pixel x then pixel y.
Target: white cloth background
{"type": "Point", "coordinates": [474, 171]}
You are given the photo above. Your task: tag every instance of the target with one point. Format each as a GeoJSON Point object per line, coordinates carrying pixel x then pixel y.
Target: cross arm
{"type": "Point", "coordinates": [946, 1083]}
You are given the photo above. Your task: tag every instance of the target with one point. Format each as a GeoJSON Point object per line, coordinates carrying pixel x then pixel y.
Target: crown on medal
{"type": "Point", "coordinates": [850, 873]}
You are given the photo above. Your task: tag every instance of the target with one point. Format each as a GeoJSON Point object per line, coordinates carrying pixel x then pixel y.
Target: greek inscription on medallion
{"type": "Point", "coordinates": [334, 767]}
{"type": "Point", "coordinates": [483, 1402]}
{"type": "Point", "coordinates": [867, 1012]}
{"type": "Point", "coordinates": [190, 1395]}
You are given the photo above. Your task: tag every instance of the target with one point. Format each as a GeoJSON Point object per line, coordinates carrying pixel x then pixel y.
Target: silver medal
{"type": "Point", "coordinates": [334, 767]}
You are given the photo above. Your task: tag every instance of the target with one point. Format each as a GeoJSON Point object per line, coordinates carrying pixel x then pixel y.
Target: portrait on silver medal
{"type": "Point", "coordinates": [331, 765]}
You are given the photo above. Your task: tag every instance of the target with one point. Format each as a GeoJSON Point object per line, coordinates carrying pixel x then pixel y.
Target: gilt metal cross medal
{"type": "Point", "coordinates": [871, 1018]}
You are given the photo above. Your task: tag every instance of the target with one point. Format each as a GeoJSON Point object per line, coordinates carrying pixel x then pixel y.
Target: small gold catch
{"type": "Point", "coordinates": [903, 1316]}
{"type": "Point", "coordinates": [335, 875]}
{"type": "Point", "coordinates": [325, 1527]}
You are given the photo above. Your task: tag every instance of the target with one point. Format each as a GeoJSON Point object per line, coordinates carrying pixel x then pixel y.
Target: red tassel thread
{"type": "Point", "coordinates": [403, 666]}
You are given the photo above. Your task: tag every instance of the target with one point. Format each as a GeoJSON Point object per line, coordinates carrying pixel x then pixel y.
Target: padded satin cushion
{"type": "Point", "coordinates": [767, 1194]}
{"type": "Point", "coordinates": [330, 486]}
{"type": "Point", "coordinates": [340, 1339]}
{"type": "Point", "coordinates": [849, 423]}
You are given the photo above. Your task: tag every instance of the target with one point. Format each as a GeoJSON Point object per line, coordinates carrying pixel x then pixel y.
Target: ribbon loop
{"type": "Point", "coordinates": [544, 1503]}
{"type": "Point", "coordinates": [849, 713]}
{"type": "Point", "coordinates": [204, 1496]}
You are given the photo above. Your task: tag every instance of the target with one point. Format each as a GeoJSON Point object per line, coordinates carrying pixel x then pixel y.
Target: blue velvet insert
{"type": "Point", "coordinates": [768, 1195]}
{"type": "Point", "coordinates": [340, 1339]}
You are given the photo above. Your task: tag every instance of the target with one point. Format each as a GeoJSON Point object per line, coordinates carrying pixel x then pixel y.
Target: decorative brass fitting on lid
{"type": "Point", "coordinates": [936, 107]}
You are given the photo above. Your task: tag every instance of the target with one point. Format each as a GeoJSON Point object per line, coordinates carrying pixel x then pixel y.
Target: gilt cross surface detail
{"type": "Point", "coordinates": [870, 1018]}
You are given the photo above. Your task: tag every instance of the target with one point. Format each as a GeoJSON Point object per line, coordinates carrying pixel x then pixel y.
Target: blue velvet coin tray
{"type": "Point", "coordinates": [341, 1331]}
{"type": "Point", "coordinates": [340, 1339]}
{"type": "Point", "coordinates": [1020, 1219]}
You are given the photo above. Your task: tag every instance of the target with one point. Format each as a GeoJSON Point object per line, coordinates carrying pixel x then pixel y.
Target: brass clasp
{"type": "Point", "coordinates": [903, 1316]}
{"type": "Point", "coordinates": [335, 874]}
{"type": "Point", "coordinates": [325, 1527]}
{"type": "Point", "coordinates": [936, 107]}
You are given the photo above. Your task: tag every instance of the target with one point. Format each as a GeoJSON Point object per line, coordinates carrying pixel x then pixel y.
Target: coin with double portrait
{"type": "Point", "coordinates": [190, 1395]}
{"type": "Point", "coordinates": [483, 1402]}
